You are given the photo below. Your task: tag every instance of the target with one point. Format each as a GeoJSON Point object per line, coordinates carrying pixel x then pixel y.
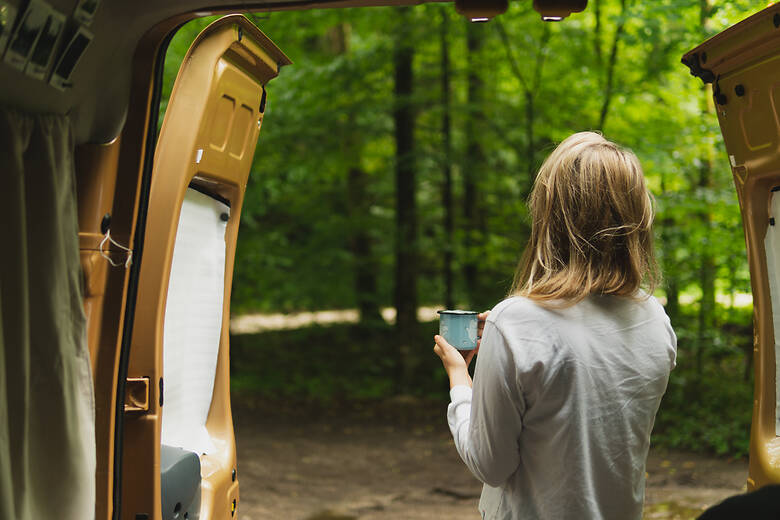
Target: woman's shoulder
{"type": "Point", "coordinates": [645, 303]}
{"type": "Point", "coordinates": [519, 309]}
{"type": "Point", "coordinates": [524, 309]}
{"type": "Point", "coordinates": [530, 330]}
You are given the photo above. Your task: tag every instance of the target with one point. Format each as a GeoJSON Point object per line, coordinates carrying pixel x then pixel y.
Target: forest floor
{"type": "Point", "coordinates": [396, 460]}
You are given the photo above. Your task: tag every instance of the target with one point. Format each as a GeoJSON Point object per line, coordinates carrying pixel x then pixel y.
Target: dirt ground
{"type": "Point", "coordinates": [396, 460]}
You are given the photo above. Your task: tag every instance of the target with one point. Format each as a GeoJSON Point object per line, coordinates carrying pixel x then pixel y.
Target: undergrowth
{"type": "Point", "coordinates": [707, 407]}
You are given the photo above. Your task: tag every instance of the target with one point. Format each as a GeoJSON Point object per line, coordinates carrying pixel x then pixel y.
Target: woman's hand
{"type": "Point", "coordinates": [456, 362]}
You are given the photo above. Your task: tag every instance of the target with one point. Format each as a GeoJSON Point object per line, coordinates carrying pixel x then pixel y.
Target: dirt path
{"type": "Point", "coordinates": [254, 323]}
{"type": "Point", "coordinates": [397, 461]}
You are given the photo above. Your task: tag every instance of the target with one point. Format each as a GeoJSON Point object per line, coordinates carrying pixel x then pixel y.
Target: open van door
{"type": "Point", "coordinates": [743, 65]}
{"type": "Point", "coordinates": [179, 457]}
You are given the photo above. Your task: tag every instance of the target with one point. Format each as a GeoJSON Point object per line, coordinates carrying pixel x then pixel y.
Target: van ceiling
{"type": "Point", "coordinates": [99, 95]}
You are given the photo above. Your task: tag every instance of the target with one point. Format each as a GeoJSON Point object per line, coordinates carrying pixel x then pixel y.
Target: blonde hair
{"type": "Point", "coordinates": [591, 230]}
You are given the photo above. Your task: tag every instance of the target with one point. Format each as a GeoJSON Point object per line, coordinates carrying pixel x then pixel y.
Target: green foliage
{"type": "Point", "coordinates": [710, 411]}
{"type": "Point", "coordinates": [334, 363]}
{"type": "Point", "coordinates": [716, 420]}
{"type": "Point", "coordinates": [331, 112]}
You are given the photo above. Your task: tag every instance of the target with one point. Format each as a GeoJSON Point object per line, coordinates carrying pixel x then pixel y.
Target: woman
{"type": "Point", "coordinates": [573, 364]}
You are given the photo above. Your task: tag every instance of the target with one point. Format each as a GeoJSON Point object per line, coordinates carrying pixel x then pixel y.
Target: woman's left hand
{"type": "Point", "coordinates": [455, 362]}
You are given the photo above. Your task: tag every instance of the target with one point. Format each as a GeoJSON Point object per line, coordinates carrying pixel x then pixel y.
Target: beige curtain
{"type": "Point", "coordinates": [47, 432]}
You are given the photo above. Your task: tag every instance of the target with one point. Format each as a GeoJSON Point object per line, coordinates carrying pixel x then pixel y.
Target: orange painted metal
{"type": "Point", "coordinates": [104, 295]}
{"type": "Point", "coordinates": [743, 65]}
{"type": "Point", "coordinates": [208, 137]}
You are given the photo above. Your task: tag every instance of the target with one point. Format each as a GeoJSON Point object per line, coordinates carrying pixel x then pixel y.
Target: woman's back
{"type": "Point", "coordinates": [573, 366]}
{"type": "Point", "coordinates": [566, 397]}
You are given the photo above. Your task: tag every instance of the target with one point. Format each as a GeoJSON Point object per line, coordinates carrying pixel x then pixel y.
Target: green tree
{"type": "Point", "coordinates": [406, 248]}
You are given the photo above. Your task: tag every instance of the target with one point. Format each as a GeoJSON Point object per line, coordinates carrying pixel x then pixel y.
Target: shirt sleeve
{"type": "Point", "coordinates": [486, 423]}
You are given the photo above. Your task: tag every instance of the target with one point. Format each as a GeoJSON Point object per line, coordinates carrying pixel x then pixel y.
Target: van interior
{"type": "Point", "coordinates": [108, 222]}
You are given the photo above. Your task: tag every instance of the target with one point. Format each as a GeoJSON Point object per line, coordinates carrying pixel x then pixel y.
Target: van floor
{"type": "Point", "coordinates": [396, 460]}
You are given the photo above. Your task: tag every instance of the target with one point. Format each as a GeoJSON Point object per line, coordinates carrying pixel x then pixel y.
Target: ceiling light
{"type": "Point", "coordinates": [557, 10]}
{"type": "Point", "coordinates": [481, 10]}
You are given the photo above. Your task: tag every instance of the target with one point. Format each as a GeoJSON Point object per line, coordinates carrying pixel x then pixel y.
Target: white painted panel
{"type": "Point", "coordinates": [772, 245]}
{"type": "Point", "coordinates": [193, 322]}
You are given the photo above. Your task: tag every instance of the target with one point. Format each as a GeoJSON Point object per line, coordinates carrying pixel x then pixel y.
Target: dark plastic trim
{"type": "Point", "coordinates": [206, 192]}
{"type": "Point", "coordinates": [135, 270]}
{"type": "Point", "coordinates": [695, 66]}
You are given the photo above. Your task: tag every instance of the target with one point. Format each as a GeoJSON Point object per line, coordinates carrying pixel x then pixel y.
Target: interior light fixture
{"type": "Point", "coordinates": [481, 10]}
{"type": "Point", "coordinates": [557, 10]}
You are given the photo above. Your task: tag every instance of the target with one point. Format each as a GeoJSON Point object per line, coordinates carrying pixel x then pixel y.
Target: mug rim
{"type": "Point", "coordinates": [457, 312]}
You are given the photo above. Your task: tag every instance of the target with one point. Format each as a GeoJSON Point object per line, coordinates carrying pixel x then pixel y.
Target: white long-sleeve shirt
{"type": "Point", "coordinates": [558, 424]}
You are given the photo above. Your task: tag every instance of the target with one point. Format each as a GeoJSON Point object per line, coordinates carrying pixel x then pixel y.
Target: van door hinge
{"type": "Point", "coordinates": [137, 394]}
{"type": "Point", "coordinates": [695, 63]}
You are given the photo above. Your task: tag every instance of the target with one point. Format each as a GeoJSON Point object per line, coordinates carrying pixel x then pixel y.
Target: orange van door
{"type": "Point", "coordinates": [743, 66]}
{"type": "Point", "coordinates": [179, 456]}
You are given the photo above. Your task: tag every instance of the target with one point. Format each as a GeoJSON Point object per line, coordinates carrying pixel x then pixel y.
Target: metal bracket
{"type": "Point", "coordinates": [719, 97]}
{"type": "Point", "coordinates": [137, 394]}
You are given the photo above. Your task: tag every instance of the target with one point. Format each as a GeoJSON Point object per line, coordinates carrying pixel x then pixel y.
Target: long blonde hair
{"type": "Point", "coordinates": [591, 230]}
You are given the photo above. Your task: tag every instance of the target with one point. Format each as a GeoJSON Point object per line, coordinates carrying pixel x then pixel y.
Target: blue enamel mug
{"type": "Point", "coordinates": [459, 328]}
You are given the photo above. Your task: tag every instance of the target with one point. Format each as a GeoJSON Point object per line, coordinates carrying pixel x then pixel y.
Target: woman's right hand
{"type": "Point", "coordinates": [481, 318]}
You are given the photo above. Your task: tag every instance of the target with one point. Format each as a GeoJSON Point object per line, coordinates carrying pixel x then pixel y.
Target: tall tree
{"type": "Point", "coordinates": [671, 282]}
{"type": "Point", "coordinates": [405, 190]}
{"type": "Point", "coordinates": [474, 164]}
{"type": "Point", "coordinates": [611, 65]}
{"type": "Point", "coordinates": [530, 89]}
{"type": "Point", "coordinates": [357, 199]}
{"type": "Point", "coordinates": [446, 132]}
{"type": "Point", "coordinates": [597, 32]}
{"type": "Point", "coordinates": [705, 184]}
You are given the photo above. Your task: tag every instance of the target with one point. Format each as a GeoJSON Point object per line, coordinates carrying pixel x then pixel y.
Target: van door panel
{"type": "Point", "coordinates": [741, 63]}
{"type": "Point", "coordinates": [207, 141]}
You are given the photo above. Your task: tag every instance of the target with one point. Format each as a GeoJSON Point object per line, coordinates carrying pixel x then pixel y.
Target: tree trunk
{"type": "Point", "coordinates": [707, 268]}
{"type": "Point", "coordinates": [671, 284]}
{"type": "Point", "coordinates": [609, 81]}
{"type": "Point", "coordinates": [475, 157]}
{"type": "Point", "coordinates": [597, 32]}
{"type": "Point", "coordinates": [358, 203]}
{"type": "Point", "coordinates": [530, 90]}
{"type": "Point", "coordinates": [530, 151]}
{"type": "Point", "coordinates": [360, 244]}
{"type": "Point", "coordinates": [406, 210]}
{"type": "Point", "coordinates": [449, 242]}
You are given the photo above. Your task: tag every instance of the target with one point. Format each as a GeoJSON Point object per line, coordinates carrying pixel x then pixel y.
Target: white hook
{"type": "Point", "coordinates": [107, 238]}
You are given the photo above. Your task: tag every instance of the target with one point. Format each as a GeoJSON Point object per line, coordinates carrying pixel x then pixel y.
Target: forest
{"type": "Point", "coordinates": [392, 171]}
